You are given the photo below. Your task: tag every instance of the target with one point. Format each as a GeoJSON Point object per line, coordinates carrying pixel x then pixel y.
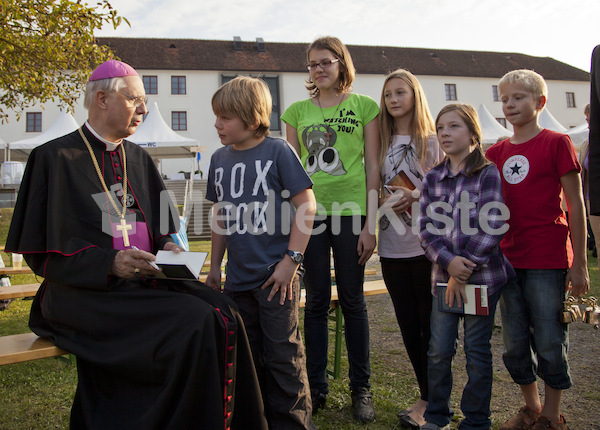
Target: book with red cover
{"type": "Point", "coordinates": [476, 304]}
{"type": "Point", "coordinates": [402, 180]}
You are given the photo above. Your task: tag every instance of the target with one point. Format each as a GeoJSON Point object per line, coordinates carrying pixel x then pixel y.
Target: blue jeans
{"type": "Point", "coordinates": [349, 278]}
{"type": "Point", "coordinates": [535, 341]}
{"type": "Point", "coordinates": [476, 396]}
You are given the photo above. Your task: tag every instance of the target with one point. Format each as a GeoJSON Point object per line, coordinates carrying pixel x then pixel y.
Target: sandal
{"type": "Point", "coordinates": [524, 420]}
{"type": "Point", "coordinates": [407, 421]}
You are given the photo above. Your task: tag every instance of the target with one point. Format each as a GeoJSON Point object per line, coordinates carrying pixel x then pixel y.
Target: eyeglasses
{"type": "Point", "coordinates": [325, 64]}
{"type": "Point", "coordinates": [137, 101]}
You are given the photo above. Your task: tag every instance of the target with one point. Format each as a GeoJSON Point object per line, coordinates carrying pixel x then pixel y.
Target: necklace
{"type": "Point", "coordinates": [123, 227]}
{"type": "Point", "coordinates": [328, 133]}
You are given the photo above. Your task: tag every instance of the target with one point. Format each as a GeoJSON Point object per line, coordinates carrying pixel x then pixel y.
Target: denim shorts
{"type": "Point", "coordinates": [535, 340]}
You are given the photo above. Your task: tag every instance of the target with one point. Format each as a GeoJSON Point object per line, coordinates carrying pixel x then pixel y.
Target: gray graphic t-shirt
{"type": "Point", "coordinates": [253, 188]}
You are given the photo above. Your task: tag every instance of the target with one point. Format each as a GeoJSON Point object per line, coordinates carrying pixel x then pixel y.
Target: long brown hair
{"type": "Point", "coordinates": [476, 160]}
{"type": "Point", "coordinates": [422, 125]}
{"type": "Point", "coordinates": [339, 50]}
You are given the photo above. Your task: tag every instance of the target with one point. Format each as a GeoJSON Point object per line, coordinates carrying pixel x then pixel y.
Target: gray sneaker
{"type": "Point", "coordinates": [362, 405]}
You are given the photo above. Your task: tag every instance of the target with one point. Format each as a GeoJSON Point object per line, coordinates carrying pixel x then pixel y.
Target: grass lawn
{"type": "Point", "coordinates": [38, 394]}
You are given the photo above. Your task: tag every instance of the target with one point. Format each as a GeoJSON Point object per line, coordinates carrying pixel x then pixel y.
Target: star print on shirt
{"type": "Point", "coordinates": [515, 169]}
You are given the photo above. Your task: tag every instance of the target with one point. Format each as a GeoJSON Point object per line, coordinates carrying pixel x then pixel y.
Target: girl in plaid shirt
{"type": "Point", "coordinates": [462, 221]}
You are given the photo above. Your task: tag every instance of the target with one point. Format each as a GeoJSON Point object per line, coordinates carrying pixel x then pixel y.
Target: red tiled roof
{"type": "Point", "coordinates": [220, 55]}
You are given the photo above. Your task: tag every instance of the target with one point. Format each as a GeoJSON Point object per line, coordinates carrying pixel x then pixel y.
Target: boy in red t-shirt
{"type": "Point", "coordinates": [536, 164]}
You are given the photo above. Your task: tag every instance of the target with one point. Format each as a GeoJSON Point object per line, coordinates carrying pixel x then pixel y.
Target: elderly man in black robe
{"type": "Point", "coordinates": [92, 211]}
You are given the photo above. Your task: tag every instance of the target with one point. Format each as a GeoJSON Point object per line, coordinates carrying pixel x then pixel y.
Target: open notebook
{"type": "Point", "coordinates": [184, 265]}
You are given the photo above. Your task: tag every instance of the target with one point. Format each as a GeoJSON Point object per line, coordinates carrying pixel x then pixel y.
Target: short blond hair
{"type": "Point", "coordinates": [532, 81]}
{"type": "Point", "coordinates": [248, 99]}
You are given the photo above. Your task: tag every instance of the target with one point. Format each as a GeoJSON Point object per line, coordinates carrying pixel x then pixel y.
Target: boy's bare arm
{"type": "Point", "coordinates": [285, 270]}
{"type": "Point", "coordinates": [217, 251]}
{"type": "Point", "coordinates": [577, 277]}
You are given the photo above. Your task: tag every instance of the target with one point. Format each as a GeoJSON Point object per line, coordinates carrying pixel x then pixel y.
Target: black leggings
{"type": "Point", "coordinates": [408, 281]}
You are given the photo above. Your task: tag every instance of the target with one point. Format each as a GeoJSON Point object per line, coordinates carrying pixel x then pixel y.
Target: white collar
{"type": "Point", "coordinates": [110, 146]}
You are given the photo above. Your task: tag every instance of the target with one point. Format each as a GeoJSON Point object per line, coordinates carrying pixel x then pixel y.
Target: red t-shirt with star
{"type": "Point", "coordinates": [538, 235]}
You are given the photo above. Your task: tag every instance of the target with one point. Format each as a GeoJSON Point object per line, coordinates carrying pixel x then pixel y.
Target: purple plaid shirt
{"type": "Point", "coordinates": [465, 216]}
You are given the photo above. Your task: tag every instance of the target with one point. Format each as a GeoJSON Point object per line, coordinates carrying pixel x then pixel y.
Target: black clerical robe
{"type": "Point", "coordinates": [150, 354]}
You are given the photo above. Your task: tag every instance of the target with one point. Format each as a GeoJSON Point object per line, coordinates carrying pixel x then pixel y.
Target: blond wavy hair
{"type": "Point", "coordinates": [422, 124]}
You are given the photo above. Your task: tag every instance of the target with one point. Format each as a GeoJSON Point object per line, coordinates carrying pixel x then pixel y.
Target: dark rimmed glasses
{"type": "Point", "coordinates": [325, 64]}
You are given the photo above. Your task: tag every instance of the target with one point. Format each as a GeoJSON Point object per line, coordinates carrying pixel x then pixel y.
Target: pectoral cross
{"type": "Point", "coordinates": [123, 229]}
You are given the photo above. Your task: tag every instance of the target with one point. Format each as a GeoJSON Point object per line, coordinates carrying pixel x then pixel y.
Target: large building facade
{"type": "Point", "coordinates": [182, 74]}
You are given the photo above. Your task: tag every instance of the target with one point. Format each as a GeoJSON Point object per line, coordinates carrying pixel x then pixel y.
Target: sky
{"type": "Point", "coordinates": [567, 31]}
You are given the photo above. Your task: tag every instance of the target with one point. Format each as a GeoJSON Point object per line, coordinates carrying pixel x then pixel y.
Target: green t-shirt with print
{"type": "Point", "coordinates": [332, 150]}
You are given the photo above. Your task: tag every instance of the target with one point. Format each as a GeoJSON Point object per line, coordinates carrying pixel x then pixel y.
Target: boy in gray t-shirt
{"type": "Point", "coordinates": [254, 181]}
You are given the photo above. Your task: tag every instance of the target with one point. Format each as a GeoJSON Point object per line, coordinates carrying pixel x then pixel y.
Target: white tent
{"type": "Point", "coordinates": [160, 140]}
{"type": "Point", "coordinates": [546, 120]}
{"type": "Point", "coordinates": [491, 129]}
{"type": "Point", "coordinates": [64, 124]}
{"type": "Point", "coordinates": [579, 134]}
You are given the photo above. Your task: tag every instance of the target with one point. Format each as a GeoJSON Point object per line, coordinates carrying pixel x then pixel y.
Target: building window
{"type": "Point", "coordinates": [34, 122]}
{"type": "Point", "coordinates": [177, 84]}
{"type": "Point", "coordinates": [571, 100]}
{"type": "Point", "coordinates": [495, 94]}
{"type": "Point", "coordinates": [179, 121]}
{"type": "Point", "coordinates": [450, 91]}
{"type": "Point", "coordinates": [150, 84]}
{"type": "Point", "coordinates": [502, 121]}
{"type": "Point", "coordinates": [273, 84]}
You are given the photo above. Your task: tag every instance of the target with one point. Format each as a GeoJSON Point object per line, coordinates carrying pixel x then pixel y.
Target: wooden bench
{"type": "Point", "coordinates": [25, 270]}
{"type": "Point", "coordinates": [370, 288]}
{"type": "Point", "coordinates": [25, 347]}
{"type": "Point", "coordinates": [28, 346]}
{"type": "Point", "coordinates": [19, 291]}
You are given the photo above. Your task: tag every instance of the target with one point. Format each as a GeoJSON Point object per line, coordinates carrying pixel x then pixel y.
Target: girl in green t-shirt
{"type": "Point", "coordinates": [336, 135]}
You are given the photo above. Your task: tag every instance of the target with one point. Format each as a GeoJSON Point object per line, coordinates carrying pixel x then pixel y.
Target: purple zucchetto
{"type": "Point", "coordinates": [112, 69]}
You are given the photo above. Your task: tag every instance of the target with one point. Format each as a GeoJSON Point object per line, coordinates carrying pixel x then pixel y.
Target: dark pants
{"type": "Point", "coordinates": [278, 354]}
{"type": "Point", "coordinates": [408, 281]}
{"type": "Point", "coordinates": [349, 278]}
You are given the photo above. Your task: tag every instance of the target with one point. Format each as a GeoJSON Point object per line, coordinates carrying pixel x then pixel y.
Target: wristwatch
{"type": "Point", "coordinates": [297, 257]}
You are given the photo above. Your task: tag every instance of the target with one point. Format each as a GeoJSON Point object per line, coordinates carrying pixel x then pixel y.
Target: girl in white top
{"type": "Point", "coordinates": [409, 149]}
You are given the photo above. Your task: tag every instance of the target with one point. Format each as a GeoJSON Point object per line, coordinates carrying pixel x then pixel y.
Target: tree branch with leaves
{"type": "Point", "coordinates": [48, 50]}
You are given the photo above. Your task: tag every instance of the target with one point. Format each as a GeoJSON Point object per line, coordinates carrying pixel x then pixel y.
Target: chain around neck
{"type": "Point", "coordinates": [336, 110]}
{"type": "Point", "coordinates": [101, 177]}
